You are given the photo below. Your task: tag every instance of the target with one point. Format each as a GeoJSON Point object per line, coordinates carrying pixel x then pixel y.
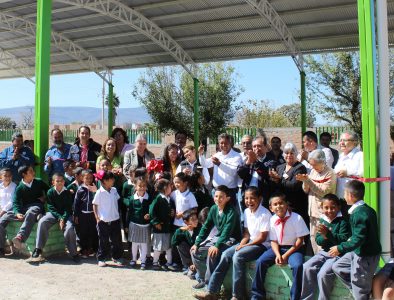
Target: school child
{"type": "Point", "coordinates": [184, 238]}
{"type": "Point", "coordinates": [224, 217]}
{"type": "Point", "coordinates": [383, 283]}
{"type": "Point", "coordinates": [287, 232]}
{"type": "Point", "coordinates": [78, 179]}
{"type": "Point", "coordinates": [200, 192]}
{"type": "Point", "coordinates": [332, 230]}
{"type": "Point", "coordinates": [69, 166]}
{"type": "Point", "coordinates": [105, 207]}
{"type": "Point", "coordinates": [254, 242]}
{"type": "Point", "coordinates": [361, 251]}
{"type": "Point", "coordinates": [139, 227]}
{"type": "Point", "coordinates": [161, 215]}
{"type": "Point", "coordinates": [7, 190]}
{"type": "Point", "coordinates": [28, 204]}
{"type": "Point", "coordinates": [59, 203]}
{"type": "Point", "coordinates": [84, 217]}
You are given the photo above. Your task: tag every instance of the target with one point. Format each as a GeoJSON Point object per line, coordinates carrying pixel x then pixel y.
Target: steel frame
{"type": "Point", "coordinates": [118, 11]}
{"type": "Point", "coordinates": [17, 65]}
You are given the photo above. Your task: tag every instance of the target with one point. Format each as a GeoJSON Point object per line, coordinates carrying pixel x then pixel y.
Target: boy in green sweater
{"type": "Point", "coordinates": [60, 201]}
{"type": "Point", "coordinates": [28, 204]}
{"type": "Point", "coordinates": [209, 249]}
{"type": "Point", "coordinates": [356, 268]}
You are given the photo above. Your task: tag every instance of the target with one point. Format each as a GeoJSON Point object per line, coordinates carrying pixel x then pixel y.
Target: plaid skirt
{"type": "Point", "coordinates": [139, 233]}
{"type": "Point", "coordinates": [161, 241]}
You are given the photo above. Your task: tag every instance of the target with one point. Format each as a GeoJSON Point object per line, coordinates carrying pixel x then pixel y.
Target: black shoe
{"type": "Point", "coordinates": [149, 260]}
{"type": "Point", "coordinates": [199, 285]}
{"type": "Point", "coordinates": [2, 252]}
{"type": "Point", "coordinates": [36, 253]}
{"type": "Point", "coordinates": [76, 259]}
{"type": "Point", "coordinates": [156, 267]}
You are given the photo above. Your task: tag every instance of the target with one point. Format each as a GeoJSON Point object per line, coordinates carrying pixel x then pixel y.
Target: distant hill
{"type": "Point", "coordinates": [86, 115]}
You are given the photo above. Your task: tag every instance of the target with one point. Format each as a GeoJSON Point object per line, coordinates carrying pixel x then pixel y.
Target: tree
{"type": "Point", "coordinates": [167, 93]}
{"type": "Point", "coordinates": [28, 118]}
{"type": "Point", "coordinates": [262, 114]}
{"type": "Point", "coordinates": [7, 123]}
{"type": "Point", "coordinates": [116, 102]}
{"type": "Point", "coordinates": [334, 86]}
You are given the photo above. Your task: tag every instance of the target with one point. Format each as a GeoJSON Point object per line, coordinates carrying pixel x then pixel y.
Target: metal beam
{"type": "Point", "coordinates": [136, 20]}
{"type": "Point", "coordinates": [17, 65]}
{"type": "Point", "coordinates": [266, 10]}
{"type": "Point", "coordinates": [20, 25]}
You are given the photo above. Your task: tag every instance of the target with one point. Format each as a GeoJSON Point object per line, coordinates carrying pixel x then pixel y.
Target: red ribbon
{"type": "Point", "coordinates": [321, 181]}
{"type": "Point", "coordinates": [283, 222]}
{"type": "Point", "coordinates": [155, 165]}
{"type": "Point", "coordinates": [363, 179]}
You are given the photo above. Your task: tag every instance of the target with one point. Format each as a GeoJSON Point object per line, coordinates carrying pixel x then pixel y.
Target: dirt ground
{"type": "Point", "coordinates": [59, 277]}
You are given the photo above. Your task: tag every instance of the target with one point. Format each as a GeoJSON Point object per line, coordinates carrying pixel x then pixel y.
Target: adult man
{"type": "Point", "coordinates": [276, 152]}
{"type": "Point", "coordinates": [325, 141]}
{"type": "Point", "coordinates": [255, 171]}
{"type": "Point", "coordinates": [350, 162]}
{"type": "Point", "coordinates": [180, 141]}
{"type": "Point", "coordinates": [57, 154]}
{"type": "Point", "coordinates": [225, 164]}
{"type": "Point", "coordinates": [309, 141]}
{"type": "Point", "coordinates": [246, 143]}
{"type": "Point", "coordinates": [16, 156]}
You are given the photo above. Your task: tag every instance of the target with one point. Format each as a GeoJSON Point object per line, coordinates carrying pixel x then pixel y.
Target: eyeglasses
{"type": "Point", "coordinates": [246, 143]}
{"type": "Point", "coordinates": [345, 140]}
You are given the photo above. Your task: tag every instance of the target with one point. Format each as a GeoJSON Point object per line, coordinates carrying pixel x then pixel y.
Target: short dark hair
{"type": "Point", "coordinates": [16, 135]}
{"type": "Point", "coordinates": [223, 189]}
{"type": "Point", "coordinates": [311, 135]}
{"type": "Point", "coordinates": [56, 129]}
{"type": "Point", "coordinates": [181, 132]}
{"type": "Point", "coordinates": [278, 195]}
{"type": "Point", "coordinates": [225, 136]}
{"type": "Point", "coordinates": [57, 174]}
{"type": "Point", "coordinates": [67, 163]}
{"type": "Point", "coordinates": [5, 170]}
{"type": "Point", "coordinates": [139, 179]}
{"type": "Point", "coordinates": [333, 198]}
{"type": "Point", "coordinates": [140, 172]}
{"type": "Point", "coordinates": [123, 132]}
{"type": "Point", "coordinates": [203, 215]}
{"type": "Point", "coordinates": [356, 188]}
{"type": "Point", "coordinates": [85, 172]}
{"type": "Point", "coordinates": [23, 170]}
{"type": "Point", "coordinates": [188, 213]}
{"type": "Point", "coordinates": [182, 176]}
{"type": "Point", "coordinates": [254, 190]}
{"type": "Point", "coordinates": [276, 137]}
{"type": "Point", "coordinates": [161, 185]}
{"type": "Point", "coordinates": [78, 170]}
{"type": "Point", "coordinates": [107, 175]}
{"type": "Point", "coordinates": [325, 133]}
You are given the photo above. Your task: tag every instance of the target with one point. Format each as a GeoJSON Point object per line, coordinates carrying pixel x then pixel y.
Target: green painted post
{"type": "Point", "coordinates": [303, 103]}
{"type": "Point", "coordinates": [43, 62]}
{"type": "Point", "coordinates": [196, 114]}
{"type": "Point", "coordinates": [110, 108]}
{"type": "Point", "coordinates": [368, 95]}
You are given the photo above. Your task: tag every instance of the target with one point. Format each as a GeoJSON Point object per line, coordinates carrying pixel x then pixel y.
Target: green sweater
{"type": "Point", "coordinates": [60, 205]}
{"type": "Point", "coordinates": [160, 213]}
{"type": "Point", "coordinates": [137, 210]}
{"type": "Point", "coordinates": [127, 191]}
{"type": "Point", "coordinates": [26, 196]}
{"type": "Point", "coordinates": [73, 187]}
{"type": "Point", "coordinates": [227, 224]}
{"type": "Point", "coordinates": [338, 232]}
{"type": "Point", "coordinates": [364, 240]}
{"type": "Point", "coordinates": [184, 236]}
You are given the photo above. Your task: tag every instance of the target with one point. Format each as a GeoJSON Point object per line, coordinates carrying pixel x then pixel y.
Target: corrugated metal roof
{"type": "Point", "coordinates": [207, 30]}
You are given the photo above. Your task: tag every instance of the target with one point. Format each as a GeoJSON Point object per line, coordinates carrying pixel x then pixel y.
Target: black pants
{"type": "Point", "coordinates": [87, 232]}
{"type": "Point", "coordinates": [184, 252]}
{"type": "Point", "coordinates": [110, 240]}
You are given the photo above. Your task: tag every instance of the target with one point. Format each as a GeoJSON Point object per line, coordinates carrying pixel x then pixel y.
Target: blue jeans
{"type": "Point", "coordinates": [239, 258]}
{"type": "Point", "coordinates": [268, 259]}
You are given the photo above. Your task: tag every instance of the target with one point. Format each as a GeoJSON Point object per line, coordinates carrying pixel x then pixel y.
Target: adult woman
{"type": "Point", "coordinates": [284, 180]}
{"type": "Point", "coordinates": [109, 150]}
{"type": "Point", "coordinates": [171, 160]}
{"type": "Point", "coordinates": [85, 151]}
{"type": "Point", "coordinates": [321, 181]}
{"type": "Point", "coordinates": [138, 157]}
{"type": "Point", "coordinates": [191, 163]}
{"type": "Point", "coordinates": [122, 140]}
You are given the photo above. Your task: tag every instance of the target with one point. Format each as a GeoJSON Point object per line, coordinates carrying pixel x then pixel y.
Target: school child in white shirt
{"type": "Point", "coordinates": [7, 190]}
{"type": "Point", "coordinates": [105, 207]}
{"type": "Point", "coordinates": [287, 232]}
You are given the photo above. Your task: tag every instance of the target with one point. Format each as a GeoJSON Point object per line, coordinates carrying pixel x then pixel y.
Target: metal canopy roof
{"type": "Point", "coordinates": [101, 35]}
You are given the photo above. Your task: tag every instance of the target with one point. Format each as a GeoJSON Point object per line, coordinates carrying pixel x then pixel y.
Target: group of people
{"type": "Point", "coordinates": [201, 215]}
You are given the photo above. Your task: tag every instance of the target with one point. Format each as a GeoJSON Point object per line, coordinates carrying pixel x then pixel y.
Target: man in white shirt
{"type": "Point", "coordinates": [309, 141]}
{"type": "Point", "coordinates": [350, 162]}
{"type": "Point", "coordinates": [225, 164]}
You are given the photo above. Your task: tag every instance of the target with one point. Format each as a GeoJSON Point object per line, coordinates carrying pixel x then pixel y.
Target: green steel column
{"type": "Point", "coordinates": [303, 103]}
{"type": "Point", "coordinates": [43, 62]}
{"type": "Point", "coordinates": [196, 114]}
{"type": "Point", "coordinates": [366, 25]}
{"type": "Point", "coordinates": [110, 108]}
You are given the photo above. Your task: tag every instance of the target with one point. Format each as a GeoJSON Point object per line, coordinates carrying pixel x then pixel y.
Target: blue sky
{"type": "Point", "coordinates": [275, 79]}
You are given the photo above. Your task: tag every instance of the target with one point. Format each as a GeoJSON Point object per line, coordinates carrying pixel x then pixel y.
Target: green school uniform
{"type": "Point", "coordinates": [184, 236]}
{"type": "Point", "coordinates": [160, 213]}
{"type": "Point", "coordinates": [60, 205]}
{"type": "Point", "coordinates": [25, 195]}
{"type": "Point", "coordinates": [137, 209]}
{"type": "Point", "coordinates": [338, 232]}
{"type": "Point", "coordinates": [227, 224]}
{"type": "Point", "coordinates": [364, 240]}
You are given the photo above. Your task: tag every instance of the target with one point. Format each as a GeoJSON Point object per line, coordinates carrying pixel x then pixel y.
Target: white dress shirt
{"type": "Point", "coordinates": [353, 164]}
{"type": "Point", "coordinates": [6, 194]}
{"type": "Point", "coordinates": [205, 172]}
{"type": "Point", "coordinates": [226, 172]}
{"type": "Point", "coordinates": [107, 204]}
{"type": "Point", "coordinates": [355, 205]}
{"type": "Point", "coordinates": [258, 222]}
{"type": "Point", "coordinates": [183, 201]}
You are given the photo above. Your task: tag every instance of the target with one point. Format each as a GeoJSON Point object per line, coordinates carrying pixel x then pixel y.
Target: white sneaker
{"type": "Point", "coordinates": [118, 262]}
{"type": "Point", "coordinates": [102, 263]}
{"type": "Point", "coordinates": [17, 242]}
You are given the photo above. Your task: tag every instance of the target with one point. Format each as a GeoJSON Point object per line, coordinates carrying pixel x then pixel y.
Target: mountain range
{"type": "Point", "coordinates": [85, 115]}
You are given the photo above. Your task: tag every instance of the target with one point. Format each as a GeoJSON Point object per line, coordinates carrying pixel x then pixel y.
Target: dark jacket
{"type": "Point", "coordinates": [93, 152]}
{"type": "Point", "coordinates": [83, 201]}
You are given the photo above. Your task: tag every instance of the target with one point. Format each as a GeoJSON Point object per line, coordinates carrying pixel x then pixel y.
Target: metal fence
{"type": "Point", "coordinates": [153, 135]}
{"type": "Point", "coordinates": [6, 134]}
{"type": "Point", "coordinates": [335, 132]}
